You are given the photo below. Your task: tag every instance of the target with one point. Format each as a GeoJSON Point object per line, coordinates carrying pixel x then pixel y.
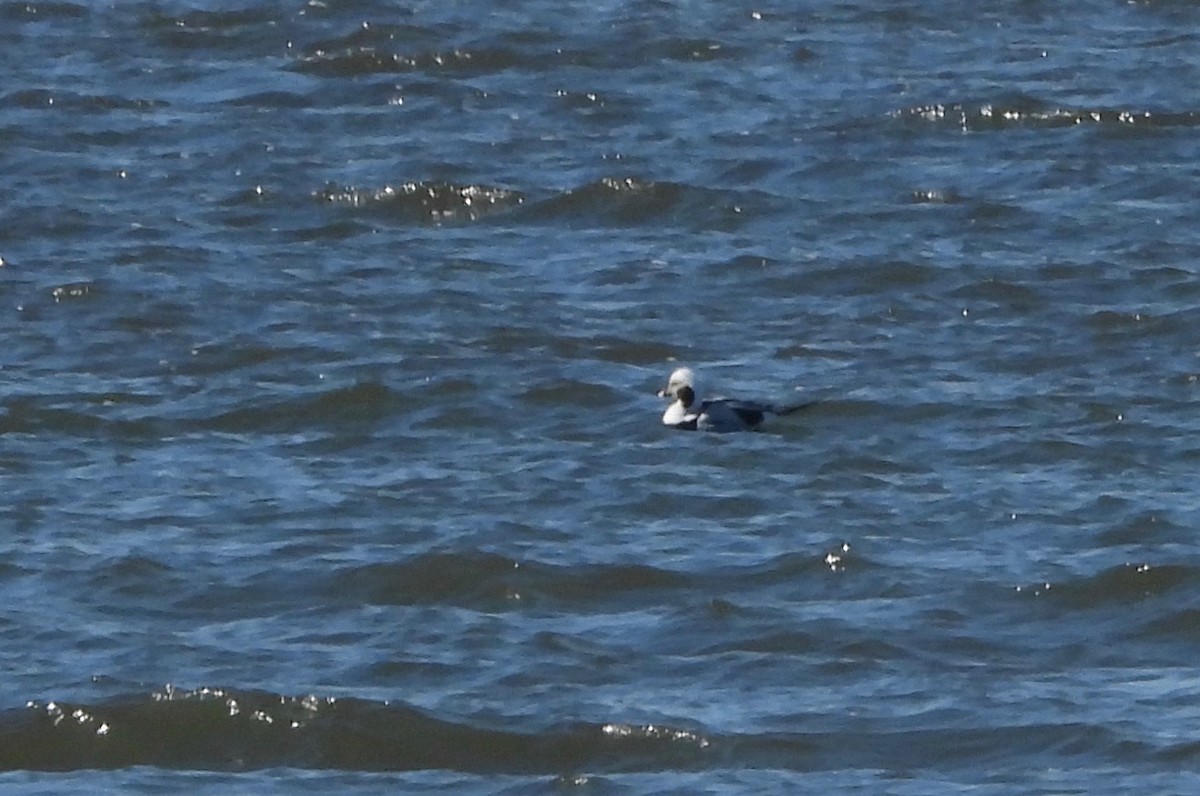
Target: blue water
{"type": "Point", "coordinates": [328, 431]}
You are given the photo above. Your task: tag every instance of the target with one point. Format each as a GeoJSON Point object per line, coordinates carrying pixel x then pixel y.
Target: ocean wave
{"type": "Point", "coordinates": [450, 49]}
{"type": "Point", "coordinates": [358, 60]}
{"type": "Point", "coordinates": [430, 201]}
{"type": "Point", "coordinates": [636, 201]}
{"type": "Point", "coordinates": [225, 729]}
{"type": "Point", "coordinates": [133, 416]}
{"type": "Point", "coordinates": [1025, 113]}
{"type": "Point", "coordinates": [355, 404]}
{"type": "Point", "coordinates": [46, 99]}
{"type": "Point", "coordinates": [488, 581]}
{"type": "Point", "coordinates": [628, 201]}
{"type": "Point", "coordinates": [1118, 585]}
{"type": "Point", "coordinates": [485, 580]}
{"type": "Point", "coordinates": [212, 728]}
{"type": "Point", "coordinates": [22, 11]}
{"type": "Point", "coordinates": [211, 30]}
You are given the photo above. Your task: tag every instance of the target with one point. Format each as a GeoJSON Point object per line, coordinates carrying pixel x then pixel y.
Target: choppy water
{"type": "Point", "coordinates": [328, 440]}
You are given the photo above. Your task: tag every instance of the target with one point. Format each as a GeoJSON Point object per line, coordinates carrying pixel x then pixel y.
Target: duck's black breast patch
{"type": "Point", "coordinates": [686, 396]}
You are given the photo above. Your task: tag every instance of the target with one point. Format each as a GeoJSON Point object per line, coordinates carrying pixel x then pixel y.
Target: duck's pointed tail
{"type": "Point", "coordinates": [792, 408]}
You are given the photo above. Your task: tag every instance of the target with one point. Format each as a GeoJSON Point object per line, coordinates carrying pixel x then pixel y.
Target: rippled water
{"type": "Point", "coordinates": [328, 432]}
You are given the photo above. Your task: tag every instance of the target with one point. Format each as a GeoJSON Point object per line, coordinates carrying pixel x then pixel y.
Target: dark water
{"type": "Point", "coordinates": [328, 443]}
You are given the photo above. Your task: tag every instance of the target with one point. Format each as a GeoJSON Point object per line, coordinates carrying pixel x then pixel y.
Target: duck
{"type": "Point", "coordinates": [687, 412]}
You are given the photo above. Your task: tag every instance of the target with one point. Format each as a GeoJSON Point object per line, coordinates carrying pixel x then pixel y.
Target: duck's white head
{"type": "Point", "coordinates": [681, 389]}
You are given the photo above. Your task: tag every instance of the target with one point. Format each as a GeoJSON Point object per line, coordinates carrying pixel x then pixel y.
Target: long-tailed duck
{"type": "Point", "coordinates": [688, 413]}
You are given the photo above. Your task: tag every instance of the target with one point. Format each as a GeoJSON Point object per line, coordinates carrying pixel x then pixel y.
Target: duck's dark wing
{"type": "Point", "coordinates": [748, 413]}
